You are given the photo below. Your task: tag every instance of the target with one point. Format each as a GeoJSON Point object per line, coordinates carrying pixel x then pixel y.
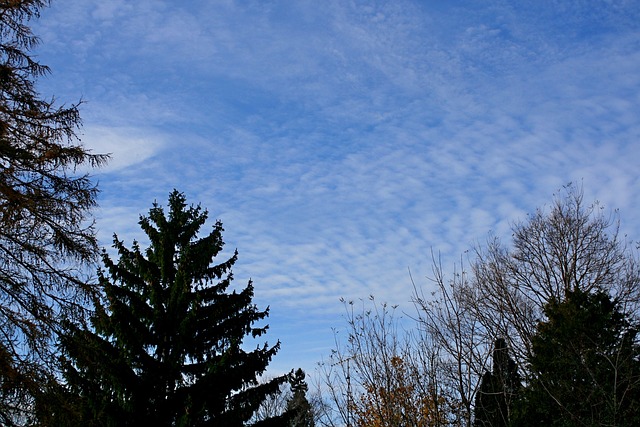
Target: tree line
{"type": "Point", "coordinates": [540, 331]}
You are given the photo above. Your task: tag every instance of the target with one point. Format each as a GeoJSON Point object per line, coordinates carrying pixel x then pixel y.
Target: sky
{"type": "Point", "coordinates": [343, 142]}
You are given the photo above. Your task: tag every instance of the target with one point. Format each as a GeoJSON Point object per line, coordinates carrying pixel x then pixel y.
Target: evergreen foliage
{"type": "Point", "coordinates": [498, 390]}
{"type": "Point", "coordinates": [45, 229]}
{"type": "Point", "coordinates": [298, 405]}
{"type": "Point", "coordinates": [166, 348]}
{"type": "Point", "coordinates": [585, 365]}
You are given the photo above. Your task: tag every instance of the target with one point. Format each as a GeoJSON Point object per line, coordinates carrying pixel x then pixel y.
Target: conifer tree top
{"type": "Point", "coordinates": [167, 346]}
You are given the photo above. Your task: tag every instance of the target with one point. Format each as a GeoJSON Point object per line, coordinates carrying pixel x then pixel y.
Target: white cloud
{"type": "Point", "coordinates": [340, 142]}
{"type": "Point", "coordinates": [126, 146]}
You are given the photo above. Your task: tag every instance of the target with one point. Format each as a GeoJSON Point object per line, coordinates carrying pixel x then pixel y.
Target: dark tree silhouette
{"type": "Point", "coordinates": [298, 405]}
{"type": "Point", "coordinates": [498, 389]}
{"type": "Point", "coordinates": [585, 365]}
{"type": "Point", "coordinates": [46, 232]}
{"type": "Point", "coordinates": [167, 346]}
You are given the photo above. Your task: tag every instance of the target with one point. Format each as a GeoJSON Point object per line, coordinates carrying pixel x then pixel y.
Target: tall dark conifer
{"type": "Point", "coordinates": [498, 389]}
{"type": "Point", "coordinates": [585, 365]}
{"type": "Point", "coordinates": [166, 347]}
{"type": "Point", "coordinates": [298, 405]}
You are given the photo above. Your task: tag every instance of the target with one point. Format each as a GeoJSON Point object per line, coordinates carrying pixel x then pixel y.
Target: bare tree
{"type": "Point", "coordinates": [452, 340]}
{"type": "Point", "coordinates": [569, 247]}
{"type": "Point", "coordinates": [374, 377]}
{"type": "Point", "coordinates": [494, 307]}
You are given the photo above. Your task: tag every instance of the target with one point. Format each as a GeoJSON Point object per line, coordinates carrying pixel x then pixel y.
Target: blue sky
{"type": "Point", "coordinates": [340, 142]}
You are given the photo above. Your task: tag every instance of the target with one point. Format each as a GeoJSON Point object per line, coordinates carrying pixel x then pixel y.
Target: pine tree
{"type": "Point", "coordinates": [166, 348]}
{"type": "Point", "coordinates": [585, 365]}
{"type": "Point", "coordinates": [498, 389]}
{"type": "Point", "coordinates": [298, 405]}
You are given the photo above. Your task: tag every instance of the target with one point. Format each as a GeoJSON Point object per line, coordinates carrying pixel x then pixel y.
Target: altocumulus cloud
{"type": "Point", "coordinates": [339, 142]}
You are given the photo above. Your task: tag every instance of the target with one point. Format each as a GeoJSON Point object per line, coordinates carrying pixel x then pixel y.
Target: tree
{"type": "Point", "coordinates": [498, 390]}
{"type": "Point", "coordinates": [585, 366]}
{"type": "Point", "coordinates": [396, 401]}
{"type": "Point", "coordinates": [45, 230]}
{"type": "Point", "coordinates": [274, 405]}
{"type": "Point", "coordinates": [567, 248]}
{"type": "Point", "coordinates": [298, 406]}
{"type": "Point", "coordinates": [167, 345]}
{"type": "Point", "coordinates": [572, 247]}
{"type": "Point", "coordinates": [290, 405]}
{"type": "Point", "coordinates": [377, 377]}
{"type": "Point", "coordinates": [453, 341]}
